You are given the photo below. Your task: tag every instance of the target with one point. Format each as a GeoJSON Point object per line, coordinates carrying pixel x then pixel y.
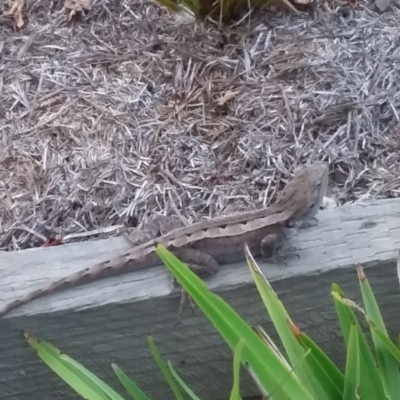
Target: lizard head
{"type": "Point", "coordinates": [305, 193]}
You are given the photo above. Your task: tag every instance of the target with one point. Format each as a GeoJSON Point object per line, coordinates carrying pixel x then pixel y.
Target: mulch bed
{"type": "Point", "coordinates": [133, 111]}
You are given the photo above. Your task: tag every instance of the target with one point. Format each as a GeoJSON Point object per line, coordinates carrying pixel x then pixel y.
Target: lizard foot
{"type": "Point", "coordinates": [280, 256]}
{"type": "Point", "coordinates": [185, 298]}
{"type": "Point", "coordinates": [309, 223]}
{"type": "Point", "coordinates": [292, 252]}
{"type": "Point", "coordinates": [277, 258]}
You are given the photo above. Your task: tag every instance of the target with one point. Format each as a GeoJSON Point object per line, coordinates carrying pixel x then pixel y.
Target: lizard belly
{"type": "Point", "coordinates": [231, 248]}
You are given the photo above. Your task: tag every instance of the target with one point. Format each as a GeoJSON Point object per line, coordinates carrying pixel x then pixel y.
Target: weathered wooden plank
{"type": "Point", "coordinates": [108, 321]}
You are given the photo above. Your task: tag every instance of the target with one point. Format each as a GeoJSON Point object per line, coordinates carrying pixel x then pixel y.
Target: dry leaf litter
{"type": "Point", "coordinates": [132, 111]}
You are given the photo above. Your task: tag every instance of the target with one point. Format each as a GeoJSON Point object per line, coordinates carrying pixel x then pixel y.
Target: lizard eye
{"type": "Point", "coordinates": [312, 205]}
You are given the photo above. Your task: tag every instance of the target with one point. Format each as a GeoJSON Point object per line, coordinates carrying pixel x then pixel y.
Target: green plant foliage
{"type": "Point", "coordinates": [302, 372]}
{"type": "Point", "coordinates": [74, 374]}
{"type": "Point", "coordinates": [165, 370]}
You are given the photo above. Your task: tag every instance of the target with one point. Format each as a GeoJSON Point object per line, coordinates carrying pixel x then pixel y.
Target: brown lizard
{"type": "Point", "coordinates": [205, 245]}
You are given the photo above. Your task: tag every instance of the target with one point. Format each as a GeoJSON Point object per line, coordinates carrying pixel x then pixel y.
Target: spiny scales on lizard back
{"type": "Point", "coordinates": [204, 245]}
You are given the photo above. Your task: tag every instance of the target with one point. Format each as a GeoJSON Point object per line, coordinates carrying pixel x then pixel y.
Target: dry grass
{"type": "Point", "coordinates": [133, 111]}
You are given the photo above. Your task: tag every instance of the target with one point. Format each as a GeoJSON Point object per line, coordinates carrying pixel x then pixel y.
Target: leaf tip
{"type": "Point", "coordinates": [294, 328]}
{"type": "Point", "coordinates": [360, 273]}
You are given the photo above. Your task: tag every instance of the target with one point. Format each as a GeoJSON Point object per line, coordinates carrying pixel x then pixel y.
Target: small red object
{"type": "Point", "coordinates": [51, 242]}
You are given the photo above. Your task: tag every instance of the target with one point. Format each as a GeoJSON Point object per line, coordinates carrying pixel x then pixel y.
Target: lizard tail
{"type": "Point", "coordinates": [96, 272]}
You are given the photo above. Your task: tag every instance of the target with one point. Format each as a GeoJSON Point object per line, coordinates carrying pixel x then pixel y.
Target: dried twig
{"type": "Point", "coordinates": [147, 112]}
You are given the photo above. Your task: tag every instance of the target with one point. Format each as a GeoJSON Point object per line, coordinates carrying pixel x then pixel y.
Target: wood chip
{"type": "Point", "coordinates": [107, 123]}
{"type": "Point", "coordinates": [15, 9]}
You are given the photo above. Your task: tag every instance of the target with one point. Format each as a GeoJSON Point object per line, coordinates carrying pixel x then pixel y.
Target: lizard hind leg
{"type": "Point", "coordinates": [202, 264]}
{"type": "Point", "coordinates": [274, 247]}
{"type": "Point", "coordinates": [183, 300]}
{"type": "Point", "coordinates": [271, 247]}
